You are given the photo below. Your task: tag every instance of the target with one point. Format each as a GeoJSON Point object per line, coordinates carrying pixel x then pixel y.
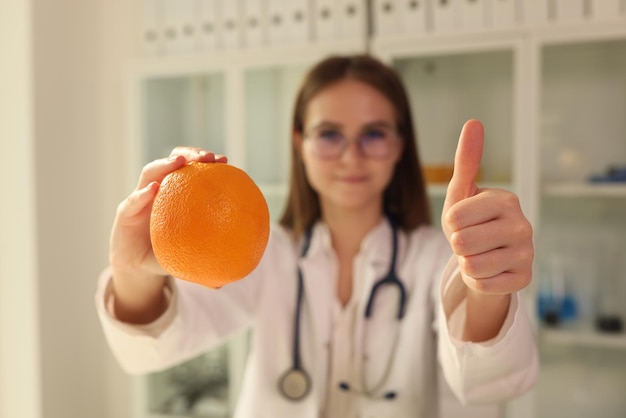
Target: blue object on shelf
{"type": "Point", "coordinates": [614, 174]}
{"type": "Point", "coordinates": [556, 310]}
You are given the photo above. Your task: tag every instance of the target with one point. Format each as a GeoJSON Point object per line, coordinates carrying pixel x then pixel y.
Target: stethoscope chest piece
{"type": "Point", "coordinates": [294, 384]}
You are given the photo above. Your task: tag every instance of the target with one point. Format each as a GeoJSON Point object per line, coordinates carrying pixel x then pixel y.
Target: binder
{"type": "Point", "coordinates": [537, 12]}
{"type": "Point", "coordinates": [277, 31]}
{"type": "Point", "coordinates": [412, 14]}
{"type": "Point", "coordinates": [473, 14]}
{"type": "Point", "coordinates": [298, 22]}
{"type": "Point", "coordinates": [150, 29]}
{"type": "Point", "coordinates": [446, 15]}
{"type": "Point", "coordinates": [180, 29]}
{"type": "Point", "coordinates": [326, 20]}
{"type": "Point", "coordinates": [208, 25]}
{"type": "Point", "coordinates": [386, 20]}
{"type": "Point", "coordinates": [606, 9]}
{"type": "Point", "coordinates": [505, 13]}
{"type": "Point", "coordinates": [229, 24]}
{"type": "Point", "coordinates": [254, 23]}
{"type": "Point", "coordinates": [570, 10]}
{"type": "Point", "coordinates": [352, 19]}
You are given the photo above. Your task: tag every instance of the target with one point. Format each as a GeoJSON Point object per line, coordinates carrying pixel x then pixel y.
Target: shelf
{"type": "Point", "coordinates": [583, 31]}
{"type": "Point", "coordinates": [583, 338]}
{"type": "Point", "coordinates": [223, 60]}
{"type": "Point", "coordinates": [440, 190]}
{"type": "Point", "coordinates": [398, 46]}
{"type": "Point", "coordinates": [582, 190]}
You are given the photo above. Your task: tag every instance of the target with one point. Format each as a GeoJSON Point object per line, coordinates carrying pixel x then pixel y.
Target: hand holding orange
{"type": "Point", "coordinates": [209, 224]}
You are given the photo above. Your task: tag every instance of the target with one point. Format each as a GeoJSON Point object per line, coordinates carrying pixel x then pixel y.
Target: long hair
{"type": "Point", "coordinates": [405, 197]}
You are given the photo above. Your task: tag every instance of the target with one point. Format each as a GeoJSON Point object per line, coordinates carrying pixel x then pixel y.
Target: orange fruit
{"type": "Point", "coordinates": [209, 224]}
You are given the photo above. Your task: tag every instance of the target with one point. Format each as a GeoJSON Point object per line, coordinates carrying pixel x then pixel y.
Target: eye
{"type": "Point", "coordinates": [374, 135]}
{"type": "Point", "coordinates": [330, 136]}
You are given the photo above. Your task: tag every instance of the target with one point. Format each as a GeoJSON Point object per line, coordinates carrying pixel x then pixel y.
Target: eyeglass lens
{"type": "Point", "coordinates": [372, 142]}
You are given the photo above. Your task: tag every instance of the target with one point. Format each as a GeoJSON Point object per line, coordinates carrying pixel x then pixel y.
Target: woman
{"type": "Point", "coordinates": [328, 341]}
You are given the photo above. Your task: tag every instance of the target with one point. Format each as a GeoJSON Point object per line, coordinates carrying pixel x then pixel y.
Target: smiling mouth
{"type": "Point", "coordinates": [353, 179]}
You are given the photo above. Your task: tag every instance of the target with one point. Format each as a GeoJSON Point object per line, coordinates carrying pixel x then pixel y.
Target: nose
{"type": "Point", "coordinates": [351, 151]}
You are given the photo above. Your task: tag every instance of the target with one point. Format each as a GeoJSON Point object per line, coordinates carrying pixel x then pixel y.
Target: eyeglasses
{"type": "Point", "coordinates": [373, 142]}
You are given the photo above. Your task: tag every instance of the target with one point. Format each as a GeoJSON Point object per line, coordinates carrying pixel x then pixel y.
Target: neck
{"type": "Point", "coordinates": [348, 228]}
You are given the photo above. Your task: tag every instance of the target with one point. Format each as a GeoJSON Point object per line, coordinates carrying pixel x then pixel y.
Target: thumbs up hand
{"type": "Point", "coordinates": [487, 231]}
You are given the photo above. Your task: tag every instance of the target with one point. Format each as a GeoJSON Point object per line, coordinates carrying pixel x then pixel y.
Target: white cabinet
{"type": "Point", "coordinates": [551, 93]}
{"type": "Point", "coordinates": [582, 227]}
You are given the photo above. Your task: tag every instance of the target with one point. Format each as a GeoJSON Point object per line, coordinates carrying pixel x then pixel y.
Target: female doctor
{"type": "Point", "coordinates": [357, 301]}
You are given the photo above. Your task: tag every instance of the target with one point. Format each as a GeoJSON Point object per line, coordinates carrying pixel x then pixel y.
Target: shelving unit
{"type": "Point", "coordinates": [523, 79]}
{"type": "Point", "coordinates": [580, 131]}
{"type": "Point", "coordinates": [585, 190]}
{"type": "Point", "coordinates": [583, 338]}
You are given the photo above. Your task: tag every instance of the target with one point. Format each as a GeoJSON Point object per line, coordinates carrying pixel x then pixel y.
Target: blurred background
{"type": "Point", "coordinates": [91, 91]}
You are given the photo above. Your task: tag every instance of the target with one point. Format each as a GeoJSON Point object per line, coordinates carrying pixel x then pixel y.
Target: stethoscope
{"type": "Point", "coordinates": [295, 383]}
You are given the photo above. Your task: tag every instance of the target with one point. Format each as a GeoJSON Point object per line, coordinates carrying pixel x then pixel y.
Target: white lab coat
{"type": "Point", "coordinates": [199, 318]}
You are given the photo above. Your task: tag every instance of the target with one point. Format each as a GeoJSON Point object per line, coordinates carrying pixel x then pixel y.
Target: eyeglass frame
{"type": "Point", "coordinates": [313, 134]}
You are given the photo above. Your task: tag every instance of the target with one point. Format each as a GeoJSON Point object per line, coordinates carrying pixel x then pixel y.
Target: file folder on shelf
{"type": "Point", "coordinates": [277, 17]}
{"type": "Point", "coordinates": [386, 17]}
{"type": "Point", "coordinates": [326, 26]}
{"type": "Point", "coordinates": [505, 13]}
{"type": "Point", "coordinates": [352, 18]}
{"type": "Point", "coordinates": [298, 23]}
{"type": "Point", "coordinates": [473, 14]}
{"type": "Point", "coordinates": [208, 25]}
{"type": "Point", "coordinates": [180, 28]}
{"type": "Point", "coordinates": [412, 14]}
{"type": "Point", "coordinates": [150, 29]}
{"type": "Point", "coordinates": [570, 10]}
{"type": "Point", "coordinates": [446, 15]}
{"type": "Point", "coordinates": [254, 23]}
{"type": "Point", "coordinates": [229, 24]}
{"type": "Point", "coordinates": [606, 9]}
{"type": "Point", "coordinates": [289, 22]}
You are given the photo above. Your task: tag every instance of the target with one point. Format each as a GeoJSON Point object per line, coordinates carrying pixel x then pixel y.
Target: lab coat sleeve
{"type": "Point", "coordinates": [492, 371]}
{"type": "Point", "coordinates": [196, 319]}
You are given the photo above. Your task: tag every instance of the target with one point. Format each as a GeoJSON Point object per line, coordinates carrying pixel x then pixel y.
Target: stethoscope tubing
{"type": "Point", "coordinates": [390, 279]}
{"type": "Point", "coordinates": [295, 383]}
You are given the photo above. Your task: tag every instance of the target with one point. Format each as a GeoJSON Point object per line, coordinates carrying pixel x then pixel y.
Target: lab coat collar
{"type": "Point", "coordinates": [376, 244]}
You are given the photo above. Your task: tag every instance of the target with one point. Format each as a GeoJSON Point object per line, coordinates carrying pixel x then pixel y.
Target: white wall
{"type": "Point", "coordinates": [68, 178]}
{"type": "Point", "coordinates": [19, 324]}
{"type": "Point", "coordinates": [61, 110]}
{"type": "Point", "coordinates": [116, 48]}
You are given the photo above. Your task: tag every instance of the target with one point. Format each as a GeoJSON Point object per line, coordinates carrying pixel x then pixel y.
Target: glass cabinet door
{"type": "Point", "coordinates": [447, 90]}
{"type": "Point", "coordinates": [182, 111]}
{"type": "Point", "coordinates": [583, 172]}
{"type": "Point", "coordinates": [186, 111]}
{"type": "Point", "coordinates": [581, 239]}
{"type": "Point", "coordinates": [270, 97]}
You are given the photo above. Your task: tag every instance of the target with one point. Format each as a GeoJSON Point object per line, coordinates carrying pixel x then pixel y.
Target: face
{"type": "Point", "coordinates": [350, 145]}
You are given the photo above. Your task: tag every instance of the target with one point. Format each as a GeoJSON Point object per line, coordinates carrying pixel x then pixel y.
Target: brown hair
{"type": "Point", "coordinates": [405, 197]}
